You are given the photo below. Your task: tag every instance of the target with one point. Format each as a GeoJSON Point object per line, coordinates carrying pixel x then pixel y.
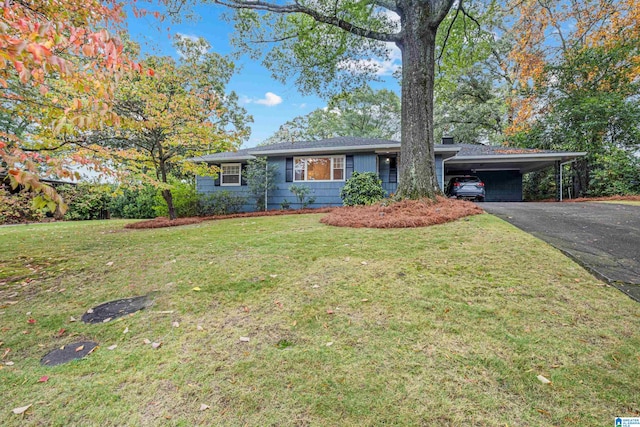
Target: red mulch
{"type": "Point", "coordinates": [601, 199]}
{"type": "Point", "coordinates": [162, 222]}
{"type": "Point", "coordinates": [403, 214]}
{"type": "Point", "coordinates": [166, 222]}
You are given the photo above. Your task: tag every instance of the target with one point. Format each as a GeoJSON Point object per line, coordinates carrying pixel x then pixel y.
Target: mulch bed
{"type": "Point", "coordinates": [604, 199]}
{"type": "Point", "coordinates": [166, 222]}
{"type": "Point", "coordinates": [403, 214]}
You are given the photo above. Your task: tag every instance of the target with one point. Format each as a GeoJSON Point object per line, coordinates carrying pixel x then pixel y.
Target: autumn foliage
{"type": "Point", "coordinates": [59, 66]}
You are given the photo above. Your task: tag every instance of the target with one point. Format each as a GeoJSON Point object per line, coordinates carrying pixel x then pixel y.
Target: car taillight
{"type": "Point", "coordinates": [456, 184]}
{"type": "Point", "coordinates": [480, 184]}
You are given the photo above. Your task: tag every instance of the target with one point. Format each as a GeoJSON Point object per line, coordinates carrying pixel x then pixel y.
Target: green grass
{"type": "Point", "coordinates": [445, 325]}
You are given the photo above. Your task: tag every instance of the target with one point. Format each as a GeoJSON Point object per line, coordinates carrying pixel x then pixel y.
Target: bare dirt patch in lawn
{"type": "Point", "coordinates": [403, 214]}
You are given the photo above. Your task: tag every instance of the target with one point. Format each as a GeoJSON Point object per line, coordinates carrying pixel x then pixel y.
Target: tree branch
{"type": "Point", "coordinates": [317, 16]}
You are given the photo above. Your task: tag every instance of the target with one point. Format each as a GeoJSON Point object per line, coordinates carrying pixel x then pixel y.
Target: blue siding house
{"type": "Point", "coordinates": [325, 165]}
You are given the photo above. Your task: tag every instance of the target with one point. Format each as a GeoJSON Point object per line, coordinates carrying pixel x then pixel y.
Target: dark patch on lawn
{"type": "Point", "coordinates": [402, 214]}
{"type": "Point", "coordinates": [69, 352]}
{"type": "Point", "coordinates": [114, 309]}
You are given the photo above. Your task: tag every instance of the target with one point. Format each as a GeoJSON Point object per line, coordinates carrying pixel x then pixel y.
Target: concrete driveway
{"type": "Point", "coordinates": [603, 237]}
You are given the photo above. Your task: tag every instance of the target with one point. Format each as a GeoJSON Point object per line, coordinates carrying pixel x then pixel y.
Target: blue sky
{"type": "Point", "coordinates": [270, 102]}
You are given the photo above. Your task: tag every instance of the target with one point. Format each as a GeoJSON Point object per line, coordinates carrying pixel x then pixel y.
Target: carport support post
{"type": "Point", "coordinates": [558, 167]}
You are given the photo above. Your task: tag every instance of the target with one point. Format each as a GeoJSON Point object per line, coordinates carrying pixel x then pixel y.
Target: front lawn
{"type": "Point", "coordinates": [444, 325]}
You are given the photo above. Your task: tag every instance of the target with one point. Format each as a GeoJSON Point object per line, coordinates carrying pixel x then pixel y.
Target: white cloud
{"type": "Point", "coordinates": [270, 100]}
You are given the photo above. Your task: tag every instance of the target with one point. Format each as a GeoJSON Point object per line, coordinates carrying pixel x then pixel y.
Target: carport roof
{"type": "Point", "coordinates": [473, 157]}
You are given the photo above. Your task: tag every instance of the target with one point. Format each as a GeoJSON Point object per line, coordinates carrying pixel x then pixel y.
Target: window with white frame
{"type": "Point", "coordinates": [330, 168]}
{"type": "Point", "coordinates": [230, 174]}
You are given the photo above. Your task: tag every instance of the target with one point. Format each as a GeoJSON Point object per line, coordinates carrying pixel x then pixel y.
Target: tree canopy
{"type": "Point", "coordinates": [60, 62]}
{"type": "Point", "coordinates": [327, 46]}
{"type": "Point", "coordinates": [180, 112]}
{"type": "Point", "coordinates": [362, 113]}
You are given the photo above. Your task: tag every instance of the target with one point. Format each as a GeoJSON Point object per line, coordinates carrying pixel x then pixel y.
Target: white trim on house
{"type": "Point", "coordinates": [331, 166]}
{"type": "Point", "coordinates": [506, 158]}
{"type": "Point", "coordinates": [239, 175]}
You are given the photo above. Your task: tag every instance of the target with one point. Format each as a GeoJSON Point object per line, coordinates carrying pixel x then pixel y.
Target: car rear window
{"type": "Point", "coordinates": [468, 179]}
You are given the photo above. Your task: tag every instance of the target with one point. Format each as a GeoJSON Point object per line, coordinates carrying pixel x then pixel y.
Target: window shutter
{"type": "Point", "coordinates": [216, 181]}
{"type": "Point", "coordinates": [243, 178]}
{"type": "Point", "coordinates": [289, 170]}
{"type": "Point", "coordinates": [349, 166]}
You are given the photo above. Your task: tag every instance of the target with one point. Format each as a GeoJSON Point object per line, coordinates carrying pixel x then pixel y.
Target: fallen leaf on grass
{"type": "Point", "coordinates": [175, 324]}
{"type": "Point", "coordinates": [109, 264]}
{"type": "Point", "coordinates": [543, 412]}
{"type": "Point", "coordinates": [147, 341]}
{"type": "Point", "coordinates": [112, 347]}
{"type": "Point", "coordinates": [244, 339]}
{"type": "Point", "coordinates": [5, 353]}
{"type": "Point", "coordinates": [156, 345]}
{"type": "Point", "coordinates": [9, 363]}
{"type": "Point", "coordinates": [364, 299]}
{"type": "Point", "coordinates": [330, 311]}
{"type": "Point", "coordinates": [72, 319]}
{"type": "Point", "coordinates": [196, 289]}
{"type": "Point", "coordinates": [273, 276]}
{"type": "Point", "coordinates": [543, 380]}
{"type": "Point", "coordinates": [21, 410]}
{"type": "Point", "coordinates": [60, 332]}
{"type": "Point", "coordinates": [79, 348]}
{"type": "Point", "coordinates": [31, 321]}
{"type": "Point", "coordinates": [204, 407]}
{"type": "Point", "coordinates": [126, 330]}
{"type": "Point", "coordinates": [329, 344]}
{"type": "Point", "coordinates": [43, 379]}
{"type": "Point", "coordinates": [200, 328]}
{"type": "Point", "coordinates": [364, 263]}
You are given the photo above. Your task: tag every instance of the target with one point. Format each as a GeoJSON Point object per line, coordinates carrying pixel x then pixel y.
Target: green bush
{"type": "Point", "coordinates": [18, 207]}
{"type": "Point", "coordinates": [86, 201]}
{"type": "Point", "coordinates": [220, 203]}
{"type": "Point", "coordinates": [185, 200]}
{"type": "Point", "coordinates": [134, 203]}
{"type": "Point", "coordinates": [261, 178]}
{"type": "Point", "coordinates": [363, 188]}
{"type": "Point", "coordinates": [616, 174]}
{"type": "Point", "coordinates": [301, 192]}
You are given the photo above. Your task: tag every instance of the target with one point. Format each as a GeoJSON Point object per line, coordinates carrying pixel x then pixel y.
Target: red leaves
{"type": "Point", "coordinates": [31, 321]}
{"type": "Point", "coordinates": [43, 379]}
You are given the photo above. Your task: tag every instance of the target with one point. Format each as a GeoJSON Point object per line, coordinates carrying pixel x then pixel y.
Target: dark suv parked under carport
{"type": "Point", "coordinates": [466, 187]}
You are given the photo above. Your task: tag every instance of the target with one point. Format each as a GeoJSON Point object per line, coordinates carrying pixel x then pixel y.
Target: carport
{"type": "Point", "coordinates": [501, 168]}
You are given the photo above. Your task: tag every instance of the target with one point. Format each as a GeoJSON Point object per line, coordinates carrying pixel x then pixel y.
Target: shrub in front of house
{"type": "Point", "coordinates": [220, 203]}
{"type": "Point", "coordinates": [134, 203]}
{"type": "Point", "coordinates": [363, 188]}
{"type": "Point", "coordinates": [17, 208]}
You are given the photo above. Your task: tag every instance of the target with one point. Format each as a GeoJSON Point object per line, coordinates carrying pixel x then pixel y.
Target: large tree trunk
{"type": "Point", "coordinates": [417, 160]}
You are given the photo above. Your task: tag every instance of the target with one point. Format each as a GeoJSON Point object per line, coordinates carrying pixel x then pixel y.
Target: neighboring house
{"type": "Point", "coordinates": [324, 166]}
